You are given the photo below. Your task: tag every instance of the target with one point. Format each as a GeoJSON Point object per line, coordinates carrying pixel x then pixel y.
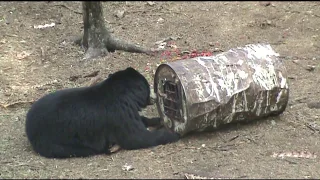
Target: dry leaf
{"type": "Point", "coordinates": [115, 148]}
{"type": "Point", "coordinates": [151, 3]}
{"type": "Point", "coordinates": [23, 55]}
{"type": "Point", "coordinates": [44, 26]}
{"type": "Point", "coordinates": [127, 167]}
{"type": "Point", "coordinates": [295, 154]}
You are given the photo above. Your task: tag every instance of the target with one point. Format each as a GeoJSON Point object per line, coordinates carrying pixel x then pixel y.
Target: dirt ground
{"type": "Point", "coordinates": [34, 62]}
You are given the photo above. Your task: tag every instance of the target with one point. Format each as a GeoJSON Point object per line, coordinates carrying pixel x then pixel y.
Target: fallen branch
{"type": "Point", "coordinates": [65, 6]}
{"type": "Point", "coordinates": [11, 105]}
{"type": "Point", "coordinates": [233, 138]}
{"type": "Point", "coordinates": [196, 176]}
{"type": "Point", "coordinates": [312, 127]}
{"type": "Point", "coordinates": [93, 74]}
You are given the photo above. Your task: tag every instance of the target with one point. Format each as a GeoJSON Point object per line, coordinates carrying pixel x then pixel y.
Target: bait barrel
{"type": "Point", "coordinates": [242, 84]}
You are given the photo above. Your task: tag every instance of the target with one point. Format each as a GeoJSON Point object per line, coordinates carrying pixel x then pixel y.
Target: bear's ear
{"type": "Point", "coordinates": [130, 69]}
{"type": "Point", "coordinates": [131, 72]}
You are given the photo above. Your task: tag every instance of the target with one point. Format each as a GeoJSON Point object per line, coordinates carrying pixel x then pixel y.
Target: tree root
{"type": "Point", "coordinates": [111, 45]}
{"type": "Point", "coordinates": [78, 40]}
{"type": "Point", "coordinates": [114, 43]}
{"type": "Point", "coordinates": [95, 52]}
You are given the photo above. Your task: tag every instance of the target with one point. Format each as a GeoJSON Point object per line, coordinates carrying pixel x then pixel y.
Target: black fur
{"type": "Point", "coordinates": [86, 121]}
{"type": "Point", "coordinates": [150, 121]}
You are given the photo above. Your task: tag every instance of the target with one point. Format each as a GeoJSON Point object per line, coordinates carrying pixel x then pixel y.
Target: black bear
{"type": "Point", "coordinates": [80, 122]}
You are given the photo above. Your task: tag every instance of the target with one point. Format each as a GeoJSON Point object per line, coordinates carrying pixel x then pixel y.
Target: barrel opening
{"type": "Point", "coordinates": [171, 100]}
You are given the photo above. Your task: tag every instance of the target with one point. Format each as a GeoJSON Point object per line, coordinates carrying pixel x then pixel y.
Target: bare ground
{"type": "Point", "coordinates": [34, 62]}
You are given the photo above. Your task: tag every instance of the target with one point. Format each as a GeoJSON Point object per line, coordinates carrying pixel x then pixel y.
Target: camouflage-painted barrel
{"type": "Point", "coordinates": [244, 83]}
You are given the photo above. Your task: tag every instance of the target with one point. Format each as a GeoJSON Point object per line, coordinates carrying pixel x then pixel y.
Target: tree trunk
{"type": "Point", "coordinates": [97, 39]}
